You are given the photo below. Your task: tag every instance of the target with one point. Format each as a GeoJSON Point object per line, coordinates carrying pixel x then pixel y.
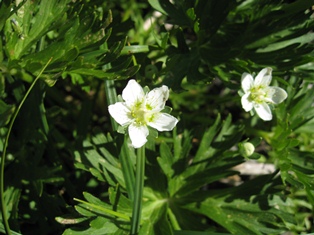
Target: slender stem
{"type": "Point", "coordinates": [138, 193]}
{"type": "Point", "coordinates": [127, 165]}
{"type": "Point", "coordinates": [111, 96]}
{"type": "Point", "coordinates": [3, 206]}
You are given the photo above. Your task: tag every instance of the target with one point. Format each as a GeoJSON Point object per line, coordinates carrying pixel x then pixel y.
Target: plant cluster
{"type": "Point", "coordinates": [156, 117]}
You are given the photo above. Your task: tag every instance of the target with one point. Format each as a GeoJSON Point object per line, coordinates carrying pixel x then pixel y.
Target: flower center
{"type": "Point", "coordinates": [141, 113]}
{"type": "Point", "coordinates": [258, 94]}
{"type": "Point", "coordinates": [139, 116]}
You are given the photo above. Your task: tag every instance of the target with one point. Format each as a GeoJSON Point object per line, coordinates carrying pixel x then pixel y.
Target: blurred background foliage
{"type": "Point", "coordinates": [62, 143]}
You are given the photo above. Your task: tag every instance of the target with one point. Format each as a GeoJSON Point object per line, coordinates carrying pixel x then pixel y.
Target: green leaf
{"type": "Point", "coordinates": [247, 214]}
{"type": "Point", "coordinates": [134, 49]}
{"type": "Point", "coordinates": [159, 6]}
{"type": "Point", "coordinates": [154, 219]}
{"type": "Point", "coordinates": [5, 12]}
{"type": "Point", "coordinates": [48, 12]}
{"type": "Point", "coordinates": [166, 160]}
{"type": "Point", "coordinates": [95, 206]}
{"type": "Point", "coordinates": [2, 230]}
{"type": "Point", "coordinates": [6, 112]}
{"type": "Point", "coordinates": [98, 226]}
{"type": "Point", "coordinates": [120, 201]}
{"type": "Point", "coordinates": [185, 232]}
{"type": "Point", "coordinates": [204, 149]}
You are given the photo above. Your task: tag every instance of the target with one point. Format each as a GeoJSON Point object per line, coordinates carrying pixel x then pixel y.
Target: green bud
{"type": "Point", "coordinates": [246, 149]}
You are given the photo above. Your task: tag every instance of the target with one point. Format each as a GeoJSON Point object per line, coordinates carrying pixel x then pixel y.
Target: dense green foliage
{"type": "Point", "coordinates": [66, 170]}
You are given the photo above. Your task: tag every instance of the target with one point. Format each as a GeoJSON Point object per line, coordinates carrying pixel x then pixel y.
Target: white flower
{"type": "Point", "coordinates": [140, 110]}
{"type": "Point", "coordinates": [258, 93]}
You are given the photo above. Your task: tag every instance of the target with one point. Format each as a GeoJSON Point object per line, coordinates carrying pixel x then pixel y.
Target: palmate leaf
{"type": "Point", "coordinates": [301, 110]}
{"type": "Point", "coordinates": [295, 165]}
{"type": "Point", "coordinates": [98, 226]}
{"type": "Point", "coordinates": [75, 43]}
{"type": "Point", "coordinates": [157, 222]}
{"type": "Point", "coordinates": [102, 163]}
{"type": "Point", "coordinates": [77, 40]}
{"type": "Point", "coordinates": [234, 35]}
{"type": "Point", "coordinates": [104, 218]}
{"type": "Point", "coordinates": [154, 214]}
{"type": "Point", "coordinates": [211, 161]}
{"type": "Point", "coordinates": [259, 212]}
{"type": "Point", "coordinates": [34, 26]}
{"type": "Point", "coordinates": [297, 170]}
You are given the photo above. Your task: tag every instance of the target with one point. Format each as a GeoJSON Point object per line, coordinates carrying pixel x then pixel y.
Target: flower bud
{"type": "Point", "coordinates": [246, 149]}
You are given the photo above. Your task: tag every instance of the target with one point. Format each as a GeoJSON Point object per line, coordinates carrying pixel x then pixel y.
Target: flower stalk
{"type": "Point", "coordinates": [138, 191]}
{"type": "Point", "coordinates": [6, 141]}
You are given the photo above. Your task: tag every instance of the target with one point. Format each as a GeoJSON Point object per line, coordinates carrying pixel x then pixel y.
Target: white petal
{"type": "Point", "coordinates": [132, 93]}
{"type": "Point", "coordinates": [263, 77]}
{"type": "Point", "coordinates": [120, 113]}
{"type": "Point", "coordinates": [138, 135]}
{"type": "Point", "coordinates": [276, 95]}
{"type": "Point", "coordinates": [263, 111]}
{"type": "Point", "coordinates": [247, 105]}
{"type": "Point", "coordinates": [156, 98]}
{"type": "Point", "coordinates": [246, 82]}
{"type": "Point", "coordinates": [163, 122]}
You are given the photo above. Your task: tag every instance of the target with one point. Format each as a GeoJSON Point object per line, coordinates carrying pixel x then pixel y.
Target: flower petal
{"type": "Point", "coordinates": [263, 77]}
{"type": "Point", "coordinates": [156, 99]}
{"type": "Point", "coordinates": [246, 82]}
{"type": "Point", "coordinates": [263, 111]}
{"type": "Point", "coordinates": [247, 105]}
{"type": "Point", "coordinates": [138, 135]}
{"type": "Point", "coordinates": [163, 122]}
{"type": "Point", "coordinates": [120, 113]}
{"type": "Point", "coordinates": [276, 95]}
{"type": "Point", "coordinates": [132, 93]}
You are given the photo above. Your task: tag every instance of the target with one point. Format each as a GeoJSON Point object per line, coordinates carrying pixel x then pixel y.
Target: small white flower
{"type": "Point", "coordinates": [258, 94]}
{"type": "Point", "coordinates": [140, 110]}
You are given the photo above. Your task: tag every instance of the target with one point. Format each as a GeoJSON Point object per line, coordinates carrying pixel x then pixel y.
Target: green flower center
{"type": "Point", "coordinates": [140, 114]}
{"type": "Point", "coordinates": [258, 94]}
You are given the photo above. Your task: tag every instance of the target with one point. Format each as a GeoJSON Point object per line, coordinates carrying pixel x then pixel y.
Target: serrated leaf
{"type": "Point", "coordinates": [166, 160]}
{"type": "Point", "coordinates": [247, 216]}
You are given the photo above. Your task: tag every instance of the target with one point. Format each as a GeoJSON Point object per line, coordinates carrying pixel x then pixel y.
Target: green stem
{"type": "Point", "coordinates": [3, 206]}
{"type": "Point", "coordinates": [138, 191]}
{"type": "Point", "coordinates": [127, 165]}
{"type": "Point", "coordinates": [122, 143]}
{"type": "Point", "coordinates": [111, 96]}
{"type": "Point", "coordinates": [173, 220]}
